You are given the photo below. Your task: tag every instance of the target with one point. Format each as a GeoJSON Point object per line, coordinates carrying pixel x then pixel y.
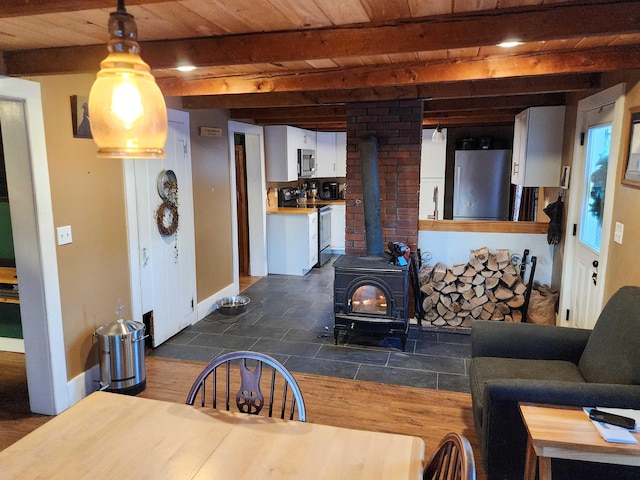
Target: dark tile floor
{"type": "Point", "coordinates": [291, 319]}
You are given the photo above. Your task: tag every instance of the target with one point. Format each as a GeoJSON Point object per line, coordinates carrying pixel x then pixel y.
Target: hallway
{"type": "Point", "coordinates": [291, 318]}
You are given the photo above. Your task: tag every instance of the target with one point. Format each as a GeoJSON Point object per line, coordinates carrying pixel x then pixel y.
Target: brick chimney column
{"type": "Point", "coordinates": [397, 125]}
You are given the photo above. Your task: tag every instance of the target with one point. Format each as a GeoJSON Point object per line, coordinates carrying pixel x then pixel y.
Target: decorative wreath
{"type": "Point", "coordinates": [167, 218]}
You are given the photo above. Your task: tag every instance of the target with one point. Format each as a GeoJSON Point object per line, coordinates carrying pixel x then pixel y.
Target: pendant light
{"type": "Point", "coordinates": [438, 135]}
{"type": "Point", "coordinates": [126, 108]}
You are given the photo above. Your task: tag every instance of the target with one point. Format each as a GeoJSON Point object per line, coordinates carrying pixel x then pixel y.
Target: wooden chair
{"type": "Point", "coordinates": [249, 397]}
{"type": "Point", "coordinates": [452, 460]}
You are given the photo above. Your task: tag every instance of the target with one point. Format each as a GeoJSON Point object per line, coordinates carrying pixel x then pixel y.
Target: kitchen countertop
{"type": "Point", "coordinates": [319, 201]}
{"type": "Point", "coordinates": [290, 210]}
{"type": "Point", "coordinates": [303, 208]}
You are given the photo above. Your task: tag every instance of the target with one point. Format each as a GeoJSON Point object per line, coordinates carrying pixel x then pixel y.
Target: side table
{"type": "Point", "coordinates": [567, 432]}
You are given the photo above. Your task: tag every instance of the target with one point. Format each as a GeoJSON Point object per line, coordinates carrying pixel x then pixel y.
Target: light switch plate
{"type": "Point", "coordinates": [617, 234]}
{"type": "Point", "coordinates": [64, 235]}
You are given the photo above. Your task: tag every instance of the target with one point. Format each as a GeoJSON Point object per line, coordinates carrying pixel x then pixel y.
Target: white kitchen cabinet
{"type": "Point", "coordinates": [433, 162]}
{"type": "Point", "coordinates": [341, 154]}
{"type": "Point", "coordinates": [433, 157]}
{"type": "Point", "coordinates": [338, 227]}
{"type": "Point", "coordinates": [537, 147]}
{"type": "Point", "coordinates": [325, 154]}
{"type": "Point", "coordinates": [331, 154]}
{"type": "Point", "coordinates": [281, 151]}
{"type": "Point", "coordinates": [292, 242]}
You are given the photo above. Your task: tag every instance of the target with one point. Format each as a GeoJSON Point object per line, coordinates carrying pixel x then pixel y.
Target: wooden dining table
{"type": "Point", "coordinates": [114, 436]}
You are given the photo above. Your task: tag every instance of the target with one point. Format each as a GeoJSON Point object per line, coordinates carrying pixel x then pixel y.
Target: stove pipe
{"type": "Point", "coordinates": [368, 148]}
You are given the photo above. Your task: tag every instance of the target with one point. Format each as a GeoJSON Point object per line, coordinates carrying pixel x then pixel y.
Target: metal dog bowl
{"type": "Point", "coordinates": [232, 305]}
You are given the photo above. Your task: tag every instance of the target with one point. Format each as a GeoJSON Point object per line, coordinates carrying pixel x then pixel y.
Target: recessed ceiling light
{"type": "Point", "coordinates": [510, 44]}
{"type": "Point", "coordinates": [186, 68]}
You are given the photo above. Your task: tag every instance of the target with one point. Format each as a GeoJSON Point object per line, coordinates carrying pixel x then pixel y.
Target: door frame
{"type": "Point", "coordinates": [611, 95]}
{"type": "Point", "coordinates": [256, 197]}
{"type": "Point", "coordinates": [35, 248]}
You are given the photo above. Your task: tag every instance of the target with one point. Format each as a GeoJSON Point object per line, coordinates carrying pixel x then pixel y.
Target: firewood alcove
{"type": "Point", "coordinates": [488, 287]}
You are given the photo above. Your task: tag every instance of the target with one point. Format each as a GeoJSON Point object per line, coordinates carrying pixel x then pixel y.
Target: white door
{"type": "Point", "coordinates": [589, 221]}
{"type": "Point", "coordinates": [163, 265]}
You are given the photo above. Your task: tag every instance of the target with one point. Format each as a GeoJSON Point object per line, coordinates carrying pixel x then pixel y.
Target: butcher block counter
{"type": "Point", "coordinates": [304, 207]}
{"type": "Point", "coordinates": [290, 211]}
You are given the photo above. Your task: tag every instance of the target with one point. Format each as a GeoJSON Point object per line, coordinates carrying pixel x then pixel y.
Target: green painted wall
{"type": "Point", "coordinates": [6, 237]}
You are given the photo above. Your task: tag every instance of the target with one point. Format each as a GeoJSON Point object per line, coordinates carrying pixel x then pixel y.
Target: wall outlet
{"type": "Point", "coordinates": [64, 235]}
{"type": "Point", "coordinates": [618, 232]}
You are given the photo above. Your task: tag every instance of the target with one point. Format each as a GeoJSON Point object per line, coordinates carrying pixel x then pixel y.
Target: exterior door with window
{"type": "Point", "coordinates": [590, 211]}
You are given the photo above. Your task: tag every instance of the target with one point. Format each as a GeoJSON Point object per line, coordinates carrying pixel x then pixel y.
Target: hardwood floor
{"type": "Point", "coordinates": [246, 281]}
{"type": "Point", "coordinates": [425, 413]}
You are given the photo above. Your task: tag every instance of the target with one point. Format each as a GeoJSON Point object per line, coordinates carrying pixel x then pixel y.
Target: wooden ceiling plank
{"type": "Point", "coordinates": [344, 42]}
{"type": "Point", "coordinates": [596, 60]}
{"type": "Point", "coordinates": [24, 8]}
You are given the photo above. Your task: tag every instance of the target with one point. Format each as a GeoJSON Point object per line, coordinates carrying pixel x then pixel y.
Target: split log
{"type": "Point", "coordinates": [502, 293]}
{"type": "Point", "coordinates": [426, 288]}
{"type": "Point", "coordinates": [502, 255]}
{"type": "Point", "coordinates": [509, 280]}
{"type": "Point", "coordinates": [439, 272]}
{"type": "Point", "coordinates": [450, 277]}
{"type": "Point", "coordinates": [459, 269]}
{"type": "Point", "coordinates": [516, 302]}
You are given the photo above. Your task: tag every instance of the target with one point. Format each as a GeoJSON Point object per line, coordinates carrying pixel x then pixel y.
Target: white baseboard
{"type": "Point", "coordinates": [84, 384]}
{"type": "Point", "coordinates": [208, 305]}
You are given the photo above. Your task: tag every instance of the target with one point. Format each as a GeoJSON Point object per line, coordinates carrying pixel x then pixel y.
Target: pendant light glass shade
{"type": "Point", "coordinates": [126, 108]}
{"type": "Point", "coordinates": [438, 135]}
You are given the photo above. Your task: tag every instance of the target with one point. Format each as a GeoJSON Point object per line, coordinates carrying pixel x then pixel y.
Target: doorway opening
{"type": "Point", "coordinates": [242, 206]}
{"type": "Point", "coordinates": [10, 320]}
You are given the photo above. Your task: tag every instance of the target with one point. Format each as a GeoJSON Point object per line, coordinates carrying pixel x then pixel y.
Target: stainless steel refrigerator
{"type": "Point", "coordinates": [482, 184]}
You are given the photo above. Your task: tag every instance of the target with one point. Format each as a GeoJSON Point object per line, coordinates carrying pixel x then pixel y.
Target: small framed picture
{"type": "Point", "coordinates": [564, 178]}
{"type": "Point", "coordinates": [631, 175]}
{"type": "Point", "coordinates": [80, 117]}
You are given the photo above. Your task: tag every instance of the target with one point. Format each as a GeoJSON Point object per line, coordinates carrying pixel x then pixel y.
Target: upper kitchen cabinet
{"type": "Point", "coordinates": [282, 143]}
{"type": "Point", "coordinates": [537, 147]}
{"type": "Point", "coordinates": [331, 154]}
{"type": "Point", "coordinates": [432, 173]}
{"type": "Point", "coordinates": [341, 154]}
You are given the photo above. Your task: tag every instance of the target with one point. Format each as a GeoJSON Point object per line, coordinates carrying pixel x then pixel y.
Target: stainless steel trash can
{"type": "Point", "coordinates": [122, 357]}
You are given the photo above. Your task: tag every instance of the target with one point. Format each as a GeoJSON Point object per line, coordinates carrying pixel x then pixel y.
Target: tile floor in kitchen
{"type": "Point", "coordinates": [291, 319]}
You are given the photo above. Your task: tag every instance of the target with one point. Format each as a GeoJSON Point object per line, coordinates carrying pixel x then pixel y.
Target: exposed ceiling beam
{"type": "Point", "coordinates": [323, 113]}
{"type": "Point", "coordinates": [467, 90]}
{"type": "Point", "coordinates": [427, 34]}
{"type": "Point", "coordinates": [596, 60]}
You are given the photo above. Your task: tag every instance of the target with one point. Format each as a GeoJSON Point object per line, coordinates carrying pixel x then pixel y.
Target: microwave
{"type": "Point", "coordinates": [306, 163]}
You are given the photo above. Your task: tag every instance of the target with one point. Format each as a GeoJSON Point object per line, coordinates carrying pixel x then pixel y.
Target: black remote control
{"type": "Point", "coordinates": [612, 419]}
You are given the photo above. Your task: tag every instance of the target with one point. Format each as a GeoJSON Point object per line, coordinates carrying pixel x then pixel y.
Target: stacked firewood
{"type": "Point", "coordinates": [489, 287]}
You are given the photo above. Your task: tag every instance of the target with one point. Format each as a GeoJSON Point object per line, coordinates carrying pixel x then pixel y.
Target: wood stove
{"type": "Point", "coordinates": [371, 296]}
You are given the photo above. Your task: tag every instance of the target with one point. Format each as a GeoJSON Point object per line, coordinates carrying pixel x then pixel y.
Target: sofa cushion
{"type": "Point", "coordinates": [612, 353]}
{"type": "Point", "coordinates": [485, 369]}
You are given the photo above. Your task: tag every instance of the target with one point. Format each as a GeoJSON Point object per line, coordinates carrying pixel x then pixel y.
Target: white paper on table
{"type": "Point", "coordinates": [613, 433]}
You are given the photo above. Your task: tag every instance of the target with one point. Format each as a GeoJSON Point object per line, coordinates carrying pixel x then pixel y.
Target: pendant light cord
{"type": "Point", "coordinates": [121, 7]}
